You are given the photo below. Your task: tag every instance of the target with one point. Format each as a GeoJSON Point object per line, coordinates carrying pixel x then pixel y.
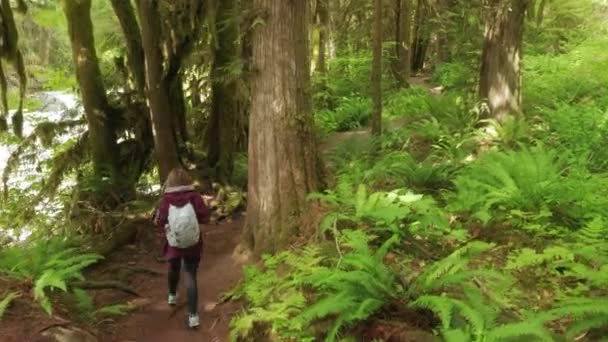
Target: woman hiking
{"type": "Point", "coordinates": [181, 215]}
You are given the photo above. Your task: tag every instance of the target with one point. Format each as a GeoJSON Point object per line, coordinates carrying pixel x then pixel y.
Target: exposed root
{"type": "Point", "coordinates": [105, 285]}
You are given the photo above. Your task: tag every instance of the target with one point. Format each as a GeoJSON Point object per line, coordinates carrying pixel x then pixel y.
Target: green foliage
{"type": "Point", "coordinates": [56, 79]}
{"type": "Point", "coordinates": [507, 181]}
{"type": "Point", "coordinates": [347, 288]}
{"type": "Point", "coordinates": [407, 103]}
{"type": "Point", "coordinates": [455, 76]}
{"type": "Point", "coordinates": [397, 213]}
{"type": "Point", "coordinates": [358, 287]}
{"type": "Point", "coordinates": [576, 77]}
{"type": "Point", "coordinates": [275, 295]}
{"type": "Point", "coordinates": [49, 264]}
{"type": "Point", "coordinates": [351, 113]}
{"type": "Point", "coordinates": [6, 302]}
{"type": "Point", "coordinates": [529, 185]}
{"type": "Point", "coordinates": [584, 313]}
{"type": "Point", "coordinates": [469, 301]}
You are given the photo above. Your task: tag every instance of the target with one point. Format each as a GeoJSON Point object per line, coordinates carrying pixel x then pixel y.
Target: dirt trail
{"type": "Point", "coordinates": [157, 321]}
{"type": "Point", "coordinates": [364, 134]}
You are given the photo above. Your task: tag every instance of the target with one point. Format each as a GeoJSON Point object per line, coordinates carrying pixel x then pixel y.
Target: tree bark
{"type": "Point", "coordinates": [221, 131]}
{"type": "Point", "coordinates": [443, 41]}
{"type": "Point", "coordinates": [403, 31]}
{"type": "Point", "coordinates": [377, 69]}
{"type": "Point", "coordinates": [283, 162]}
{"type": "Point", "coordinates": [135, 52]}
{"type": "Point", "coordinates": [500, 77]}
{"type": "Point", "coordinates": [323, 24]}
{"type": "Point", "coordinates": [421, 37]}
{"type": "Point", "coordinates": [157, 89]}
{"type": "Point", "coordinates": [101, 124]}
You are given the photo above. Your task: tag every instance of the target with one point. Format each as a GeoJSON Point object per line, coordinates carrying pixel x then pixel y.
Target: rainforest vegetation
{"type": "Point", "coordinates": [396, 170]}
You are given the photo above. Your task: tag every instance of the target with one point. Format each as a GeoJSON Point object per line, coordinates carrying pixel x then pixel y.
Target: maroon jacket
{"type": "Point", "coordinates": [180, 196]}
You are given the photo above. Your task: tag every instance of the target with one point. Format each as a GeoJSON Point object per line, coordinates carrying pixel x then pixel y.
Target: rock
{"type": "Point", "coordinates": [242, 255]}
{"type": "Point", "coordinates": [210, 306]}
{"type": "Point", "coordinates": [63, 334]}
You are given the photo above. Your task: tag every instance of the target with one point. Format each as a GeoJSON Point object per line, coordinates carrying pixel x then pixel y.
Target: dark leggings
{"type": "Point", "coordinates": [190, 268]}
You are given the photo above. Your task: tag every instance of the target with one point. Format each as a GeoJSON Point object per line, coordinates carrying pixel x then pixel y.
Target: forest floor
{"type": "Point", "coordinates": [150, 317]}
{"type": "Point", "coordinates": [157, 321]}
{"type": "Point", "coordinates": [364, 133]}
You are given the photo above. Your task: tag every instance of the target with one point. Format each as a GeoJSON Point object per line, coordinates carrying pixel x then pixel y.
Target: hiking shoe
{"type": "Point", "coordinates": [193, 321]}
{"type": "Point", "coordinates": [172, 300]}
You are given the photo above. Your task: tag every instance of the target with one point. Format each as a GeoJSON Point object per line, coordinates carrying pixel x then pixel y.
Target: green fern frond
{"type": "Point", "coordinates": [114, 310]}
{"type": "Point", "coordinates": [528, 331]}
{"type": "Point", "coordinates": [450, 265]}
{"type": "Point", "coordinates": [6, 302]}
{"type": "Point", "coordinates": [442, 306]}
{"type": "Point", "coordinates": [49, 279]}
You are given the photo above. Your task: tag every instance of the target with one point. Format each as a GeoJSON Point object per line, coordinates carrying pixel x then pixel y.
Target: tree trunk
{"type": "Point", "coordinates": [157, 89]}
{"type": "Point", "coordinates": [135, 53]}
{"type": "Point", "coordinates": [500, 78]}
{"type": "Point", "coordinates": [540, 13]}
{"type": "Point", "coordinates": [421, 37]}
{"type": "Point", "coordinates": [244, 87]}
{"type": "Point", "coordinates": [283, 162]}
{"type": "Point", "coordinates": [221, 132]}
{"type": "Point", "coordinates": [377, 69]}
{"type": "Point", "coordinates": [101, 124]}
{"type": "Point", "coordinates": [443, 42]}
{"type": "Point", "coordinates": [403, 31]}
{"type": "Point", "coordinates": [323, 20]}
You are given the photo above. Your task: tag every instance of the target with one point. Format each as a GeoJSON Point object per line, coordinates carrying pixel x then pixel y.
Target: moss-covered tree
{"type": "Point", "coordinates": [100, 118]}
{"type": "Point", "coordinates": [157, 89]}
{"type": "Point", "coordinates": [135, 52]}
{"type": "Point", "coordinates": [226, 69]}
{"type": "Point", "coordinates": [10, 52]}
{"type": "Point", "coordinates": [377, 68]}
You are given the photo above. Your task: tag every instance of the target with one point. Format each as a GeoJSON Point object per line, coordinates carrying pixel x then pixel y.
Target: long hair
{"type": "Point", "coordinates": [178, 177]}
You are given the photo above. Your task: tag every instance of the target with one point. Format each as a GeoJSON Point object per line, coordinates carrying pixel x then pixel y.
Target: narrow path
{"type": "Point", "coordinates": [157, 321]}
{"type": "Point", "coordinates": [364, 134]}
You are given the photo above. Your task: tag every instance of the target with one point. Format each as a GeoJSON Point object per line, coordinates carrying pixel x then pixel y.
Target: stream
{"type": "Point", "coordinates": [55, 106]}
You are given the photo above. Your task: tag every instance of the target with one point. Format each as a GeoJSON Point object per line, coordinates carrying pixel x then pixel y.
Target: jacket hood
{"type": "Point", "coordinates": [180, 195]}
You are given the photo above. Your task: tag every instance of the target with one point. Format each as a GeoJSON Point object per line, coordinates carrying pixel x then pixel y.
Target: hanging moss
{"type": "Point", "coordinates": [9, 51]}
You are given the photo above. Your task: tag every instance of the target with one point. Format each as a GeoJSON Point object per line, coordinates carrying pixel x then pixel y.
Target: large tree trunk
{"type": "Point", "coordinates": [221, 132]}
{"type": "Point", "coordinates": [403, 31]}
{"type": "Point", "coordinates": [421, 36]}
{"type": "Point", "coordinates": [101, 124]}
{"type": "Point", "coordinates": [323, 20]}
{"type": "Point", "coordinates": [283, 162]}
{"type": "Point", "coordinates": [500, 78]}
{"type": "Point", "coordinates": [244, 85]}
{"type": "Point", "coordinates": [157, 89]}
{"type": "Point", "coordinates": [377, 69]}
{"type": "Point", "coordinates": [135, 53]}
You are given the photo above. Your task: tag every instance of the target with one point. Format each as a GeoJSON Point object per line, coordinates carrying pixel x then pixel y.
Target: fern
{"type": "Point", "coordinates": [114, 310]}
{"type": "Point", "coordinates": [468, 302]}
{"type": "Point", "coordinates": [6, 302]}
{"type": "Point", "coordinates": [356, 289]}
{"type": "Point", "coordinates": [347, 288]}
{"type": "Point", "coordinates": [584, 313]}
{"type": "Point", "coordinates": [50, 264]}
{"type": "Point", "coordinates": [441, 272]}
{"type": "Point", "coordinates": [529, 331]}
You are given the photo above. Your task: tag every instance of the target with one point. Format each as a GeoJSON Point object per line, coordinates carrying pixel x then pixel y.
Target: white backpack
{"type": "Point", "coordinates": [183, 230]}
